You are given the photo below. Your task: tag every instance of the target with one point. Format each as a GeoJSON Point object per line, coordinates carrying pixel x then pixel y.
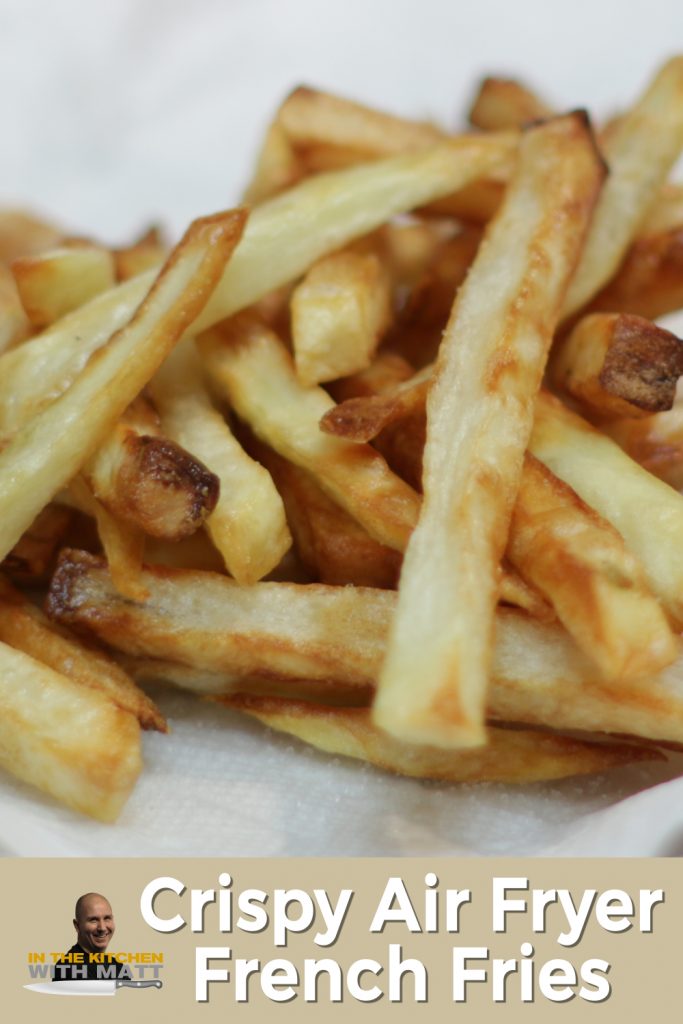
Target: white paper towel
{"type": "Point", "coordinates": [115, 115]}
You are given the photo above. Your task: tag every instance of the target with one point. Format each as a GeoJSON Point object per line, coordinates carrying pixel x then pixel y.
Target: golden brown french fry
{"type": "Point", "coordinates": [222, 635]}
{"type": "Point", "coordinates": [14, 324]}
{"type": "Point", "coordinates": [339, 311]}
{"type": "Point", "coordinates": [521, 594]}
{"type": "Point", "coordinates": [640, 152]}
{"type": "Point", "coordinates": [649, 282]}
{"type": "Point", "coordinates": [617, 364]}
{"type": "Point", "coordinates": [148, 481]}
{"type": "Point", "coordinates": [580, 562]}
{"type": "Point", "coordinates": [511, 755]}
{"type": "Point", "coordinates": [248, 524]}
{"type": "Point", "coordinates": [49, 451]}
{"type": "Point", "coordinates": [147, 253]}
{"type": "Point", "coordinates": [32, 558]}
{"type": "Point", "coordinates": [277, 167]}
{"type": "Point", "coordinates": [329, 132]}
{"type": "Point", "coordinates": [255, 371]}
{"type": "Point", "coordinates": [283, 238]}
{"type": "Point", "coordinates": [24, 627]}
{"type": "Point", "coordinates": [655, 443]}
{"type": "Point", "coordinates": [310, 117]}
{"type": "Point", "coordinates": [361, 419]}
{"type": "Point", "coordinates": [503, 103]}
{"type": "Point", "coordinates": [646, 512]}
{"type": "Point", "coordinates": [123, 545]}
{"type": "Point", "coordinates": [67, 739]}
{"type": "Point", "coordinates": [58, 281]}
{"type": "Point", "coordinates": [332, 546]}
{"type": "Point", "coordinates": [23, 234]}
{"type": "Point", "coordinates": [432, 688]}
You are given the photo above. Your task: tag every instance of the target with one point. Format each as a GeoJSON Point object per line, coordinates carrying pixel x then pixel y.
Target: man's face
{"type": "Point", "coordinates": [95, 925]}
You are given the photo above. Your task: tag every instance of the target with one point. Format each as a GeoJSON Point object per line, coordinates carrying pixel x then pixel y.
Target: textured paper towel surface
{"type": "Point", "coordinates": [116, 115]}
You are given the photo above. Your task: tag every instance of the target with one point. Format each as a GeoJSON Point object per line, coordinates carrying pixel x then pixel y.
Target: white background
{"type": "Point", "coordinates": [116, 114]}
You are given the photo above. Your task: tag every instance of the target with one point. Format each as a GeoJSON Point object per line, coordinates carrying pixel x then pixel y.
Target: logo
{"type": "Point", "coordinates": [88, 967]}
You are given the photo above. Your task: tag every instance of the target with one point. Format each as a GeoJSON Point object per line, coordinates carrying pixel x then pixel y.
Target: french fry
{"type": "Point", "coordinates": [147, 253]}
{"type": "Point", "coordinates": [32, 559]}
{"type": "Point", "coordinates": [617, 364]}
{"type": "Point", "coordinates": [329, 132]}
{"type": "Point", "coordinates": [148, 481]}
{"type": "Point", "coordinates": [646, 512]}
{"type": "Point", "coordinates": [330, 543]}
{"type": "Point", "coordinates": [248, 524]}
{"type": "Point", "coordinates": [520, 593]}
{"type": "Point", "coordinates": [22, 234]}
{"type": "Point", "coordinates": [580, 562]}
{"type": "Point", "coordinates": [655, 443]}
{"type": "Point", "coordinates": [432, 688]}
{"type": "Point", "coordinates": [361, 419]}
{"type": "Point", "coordinates": [254, 370]}
{"type": "Point", "coordinates": [67, 739]}
{"type": "Point", "coordinates": [649, 282]}
{"type": "Point", "coordinates": [24, 627]}
{"type": "Point", "coordinates": [276, 629]}
{"type": "Point", "coordinates": [221, 635]}
{"type": "Point", "coordinates": [50, 450]}
{"type": "Point", "coordinates": [503, 103]}
{"type": "Point", "coordinates": [204, 682]}
{"type": "Point", "coordinates": [14, 324]}
{"type": "Point", "coordinates": [640, 152]}
{"type": "Point", "coordinates": [123, 545]}
{"type": "Point", "coordinates": [305, 223]}
{"type": "Point", "coordinates": [511, 755]}
{"type": "Point", "coordinates": [340, 311]}
{"type": "Point", "coordinates": [56, 282]}
{"type": "Point", "coordinates": [277, 167]}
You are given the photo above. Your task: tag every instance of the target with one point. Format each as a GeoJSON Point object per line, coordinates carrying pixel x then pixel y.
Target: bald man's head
{"type": "Point", "coordinates": [94, 922]}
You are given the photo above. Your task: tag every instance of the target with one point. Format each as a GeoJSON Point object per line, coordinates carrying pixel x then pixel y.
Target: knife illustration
{"type": "Point", "coordinates": [89, 987]}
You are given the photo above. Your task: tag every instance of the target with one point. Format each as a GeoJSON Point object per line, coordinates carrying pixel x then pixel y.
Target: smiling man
{"type": "Point", "coordinates": [94, 924]}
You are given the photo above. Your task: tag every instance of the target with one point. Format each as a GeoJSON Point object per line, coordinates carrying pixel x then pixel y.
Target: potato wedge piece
{"type": "Point", "coordinates": [254, 370]}
{"type": "Point", "coordinates": [149, 481]}
{"type": "Point", "coordinates": [24, 627]}
{"type": "Point", "coordinates": [50, 450]}
{"type": "Point", "coordinates": [68, 740]}
{"type": "Point", "coordinates": [503, 103]}
{"type": "Point", "coordinates": [580, 562]}
{"type": "Point", "coordinates": [511, 755]}
{"type": "Point", "coordinates": [56, 282]}
{"type": "Point", "coordinates": [340, 311]}
{"type": "Point", "coordinates": [247, 524]}
{"type": "Point", "coordinates": [646, 512]}
{"type": "Point", "coordinates": [305, 223]}
{"type": "Point", "coordinates": [640, 152]}
{"type": "Point", "coordinates": [617, 364]}
{"type": "Point", "coordinates": [214, 629]}
{"type": "Point", "coordinates": [432, 688]}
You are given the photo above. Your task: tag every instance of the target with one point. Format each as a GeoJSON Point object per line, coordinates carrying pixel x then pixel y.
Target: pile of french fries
{"type": "Point", "coordinates": [386, 457]}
